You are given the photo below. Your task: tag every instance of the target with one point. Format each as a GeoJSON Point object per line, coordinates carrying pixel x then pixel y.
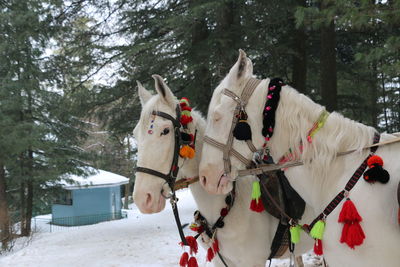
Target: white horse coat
{"type": "Point", "coordinates": [323, 175]}
{"type": "Point", "coordinates": [246, 237]}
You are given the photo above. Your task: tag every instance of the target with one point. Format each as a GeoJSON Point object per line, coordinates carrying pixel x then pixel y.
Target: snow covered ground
{"type": "Point", "coordinates": [139, 241]}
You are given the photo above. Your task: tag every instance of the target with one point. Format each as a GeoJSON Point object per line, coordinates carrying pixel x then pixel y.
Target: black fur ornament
{"type": "Point", "coordinates": [273, 97]}
{"type": "Point", "coordinates": [376, 172]}
{"type": "Point", "coordinates": [242, 129]}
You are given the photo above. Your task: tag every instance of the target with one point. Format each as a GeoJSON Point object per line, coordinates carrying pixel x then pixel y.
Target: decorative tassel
{"type": "Point", "coordinates": [192, 242]}
{"type": "Point", "coordinates": [192, 262]}
{"type": "Point", "coordinates": [352, 233]}
{"type": "Point", "coordinates": [317, 232]}
{"type": "Point", "coordinates": [187, 152]}
{"type": "Point", "coordinates": [186, 119]}
{"type": "Point", "coordinates": [210, 254]}
{"type": "Point", "coordinates": [349, 213]}
{"type": "Point", "coordinates": [242, 129]}
{"type": "Point", "coordinates": [318, 247]}
{"type": "Point", "coordinates": [184, 259]}
{"type": "Point", "coordinates": [256, 203]}
{"type": "Point", "coordinates": [215, 246]}
{"type": "Point", "coordinates": [295, 233]}
{"type": "Point", "coordinates": [376, 171]}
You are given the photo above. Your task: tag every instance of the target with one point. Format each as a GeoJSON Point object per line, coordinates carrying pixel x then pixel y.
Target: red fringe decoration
{"type": "Point", "coordinates": [215, 246]}
{"type": "Point", "coordinates": [210, 254]}
{"type": "Point", "coordinates": [355, 235]}
{"type": "Point", "coordinates": [318, 247]}
{"type": "Point", "coordinates": [184, 259]}
{"type": "Point", "coordinates": [352, 233]}
{"type": "Point", "coordinates": [257, 206]}
{"type": "Point", "coordinates": [192, 244]}
{"type": "Point", "coordinates": [192, 262]}
{"type": "Point", "coordinates": [349, 213]}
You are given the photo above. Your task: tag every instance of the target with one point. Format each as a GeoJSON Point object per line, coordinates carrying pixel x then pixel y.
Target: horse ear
{"type": "Point", "coordinates": [163, 90]}
{"type": "Point", "coordinates": [144, 95]}
{"type": "Point", "coordinates": [242, 68]}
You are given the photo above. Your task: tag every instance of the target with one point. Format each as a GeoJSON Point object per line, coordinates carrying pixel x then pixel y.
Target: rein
{"type": "Point", "coordinates": [170, 178]}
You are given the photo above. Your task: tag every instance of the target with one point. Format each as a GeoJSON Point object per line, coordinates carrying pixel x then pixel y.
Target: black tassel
{"type": "Point", "coordinates": [377, 174]}
{"type": "Point", "coordinates": [242, 129]}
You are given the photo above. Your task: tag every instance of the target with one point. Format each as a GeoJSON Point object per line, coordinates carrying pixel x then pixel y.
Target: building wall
{"type": "Point", "coordinates": [89, 205]}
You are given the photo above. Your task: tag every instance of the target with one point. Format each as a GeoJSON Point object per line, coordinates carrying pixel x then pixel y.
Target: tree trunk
{"type": "Point", "coordinates": [22, 208]}
{"type": "Point", "coordinates": [328, 67]}
{"type": "Point", "coordinates": [4, 216]}
{"type": "Point", "coordinates": [299, 76]}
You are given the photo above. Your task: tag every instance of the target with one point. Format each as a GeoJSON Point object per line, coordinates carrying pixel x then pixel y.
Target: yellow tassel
{"type": "Point", "coordinates": [317, 232]}
{"type": "Point", "coordinates": [187, 152]}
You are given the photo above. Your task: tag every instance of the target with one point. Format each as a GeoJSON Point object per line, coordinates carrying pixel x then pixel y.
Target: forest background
{"type": "Point", "coordinates": [68, 71]}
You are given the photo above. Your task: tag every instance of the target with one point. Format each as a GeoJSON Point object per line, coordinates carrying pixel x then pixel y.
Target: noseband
{"type": "Point", "coordinates": [227, 148]}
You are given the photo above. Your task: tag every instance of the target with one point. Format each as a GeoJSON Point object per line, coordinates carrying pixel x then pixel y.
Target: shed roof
{"type": "Point", "coordinates": [100, 178]}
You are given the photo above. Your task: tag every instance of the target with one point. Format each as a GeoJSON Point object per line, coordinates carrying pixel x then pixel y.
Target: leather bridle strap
{"type": "Point", "coordinates": [227, 149]}
{"type": "Point", "coordinates": [170, 178]}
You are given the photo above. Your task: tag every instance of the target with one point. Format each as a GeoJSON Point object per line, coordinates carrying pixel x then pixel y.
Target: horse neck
{"type": "Point", "coordinates": [321, 173]}
{"type": "Point", "coordinates": [209, 205]}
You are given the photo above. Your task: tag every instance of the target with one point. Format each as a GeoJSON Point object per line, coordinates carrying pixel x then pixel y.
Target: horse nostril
{"type": "Point", "coordinates": [203, 180]}
{"type": "Point", "coordinates": [148, 199]}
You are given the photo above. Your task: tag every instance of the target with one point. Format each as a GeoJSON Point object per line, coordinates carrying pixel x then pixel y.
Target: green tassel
{"type": "Point", "coordinates": [317, 232]}
{"type": "Point", "coordinates": [256, 194]}
{"type": "Point", "coordinates": [295, 233]}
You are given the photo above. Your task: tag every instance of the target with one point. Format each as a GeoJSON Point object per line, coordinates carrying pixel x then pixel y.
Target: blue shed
{"type": "Point", "coordinates": [89, 200]}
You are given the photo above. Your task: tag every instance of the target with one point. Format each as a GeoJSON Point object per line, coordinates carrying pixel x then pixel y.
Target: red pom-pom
{"type": "Point", "coordinates": [349, 213]}
{"type": "Point", "coordinates": [186, 108]}
{"type": "Point", "coordinates": [224, 212]}
{"type": "Point", "coordinates": [374, 160]}
{"type": "Point", "coordinates": [192, 262]}
{"type": "Point", "coordinates": [318, 247]}
{"type": "Point", "coordinates": [210, 254]}
{"type": "Point", "coordinates": [186, 119]}
{"type": "Point", "coordinates": [215, 246]}
{"type": "Point", "coordinates": [184, 259]}
{"type": "Point", "coordinates": [257, 206]}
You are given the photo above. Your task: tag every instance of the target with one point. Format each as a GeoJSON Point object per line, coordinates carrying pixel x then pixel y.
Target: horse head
{"type": "Point", "coordinates": [156, 142]}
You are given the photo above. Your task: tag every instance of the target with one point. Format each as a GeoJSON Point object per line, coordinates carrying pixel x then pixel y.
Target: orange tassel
{"type": "Point", "coordinates": [184, 259]}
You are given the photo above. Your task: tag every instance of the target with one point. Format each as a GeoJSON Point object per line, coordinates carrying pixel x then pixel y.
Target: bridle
{"type": "Point", "coordinates": [227, 148]}
{"type": "Point", "coordinates": [170, 178]}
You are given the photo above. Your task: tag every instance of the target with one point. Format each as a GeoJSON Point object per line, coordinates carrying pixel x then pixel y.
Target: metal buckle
{"type": "Point", "coordinates": [169, 194]}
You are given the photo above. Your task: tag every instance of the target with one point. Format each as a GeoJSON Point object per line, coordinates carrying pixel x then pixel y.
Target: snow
{"type": "Point", "coordinates": [98, 179]}
{"type": "Point", "coordinates": [139, 241]}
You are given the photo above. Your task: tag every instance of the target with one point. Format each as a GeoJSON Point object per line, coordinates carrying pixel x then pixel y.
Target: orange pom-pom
{"type": "Point", "coordinates": [187, 152]}
{"type": "Point", "coordinates": [375, 160]}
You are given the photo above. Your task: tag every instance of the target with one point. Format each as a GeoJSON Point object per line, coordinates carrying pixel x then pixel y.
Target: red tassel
{"type": "Point", "coordinates": [349, 213]}
{"type": "Point", "coordinates": [355, 235]}
{"type": "Point", "coordinates": [257, 206]}
{"type": "Point", "coordinates": [192, 244]}
{"type": "Point", "coordinates": [186, 119]}
{"type": "Point", "coordinates": [192, 262]}
{"type": "Point", "coordinates": [318, 247]}
{"type": "Point", "coordinates": [215, 246]}
{"type": "Point", "coordinates": [345, 230]}
{"type": "Point", "coordinates": [210, 254]}
{"type": "Point", "coordinates": [184, 259]}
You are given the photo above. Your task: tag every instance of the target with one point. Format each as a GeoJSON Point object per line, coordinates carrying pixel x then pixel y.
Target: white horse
{"type": "Point", "coordinates": [246, 237]}
{"type": "Point", "coordinates": [323, 175]}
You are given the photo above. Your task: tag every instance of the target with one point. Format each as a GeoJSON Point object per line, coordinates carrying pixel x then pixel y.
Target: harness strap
{"type": "Point", "coordinates": [161, 175]}
{"type": "Point", "coordinates": [221, 146]}
{"type": "Point", "coordinates": [350, 184]}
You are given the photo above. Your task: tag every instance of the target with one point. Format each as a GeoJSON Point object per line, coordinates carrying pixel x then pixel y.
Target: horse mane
{"type": "Point", "coordinates": [295, 116]}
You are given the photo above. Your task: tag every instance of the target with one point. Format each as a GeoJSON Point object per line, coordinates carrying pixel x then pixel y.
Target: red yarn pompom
{"type": "Point", "coordinates": [186, 108]}
{"type": "Point", "coordinates": [257, 205]}
{"type": "Point", "coordinates": [374, 160]}
{"type": "Point", "coordinates": [186, 119]}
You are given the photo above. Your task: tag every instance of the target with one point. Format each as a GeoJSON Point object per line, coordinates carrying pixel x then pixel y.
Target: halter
{"type": "Point", "coordinates": [170, 178]}
{"type": "Point", "coordinates": [227, 148]}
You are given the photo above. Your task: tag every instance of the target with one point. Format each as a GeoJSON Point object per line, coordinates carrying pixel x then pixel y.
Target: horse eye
{"type": "Point", "coordinates": [165, 131]}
